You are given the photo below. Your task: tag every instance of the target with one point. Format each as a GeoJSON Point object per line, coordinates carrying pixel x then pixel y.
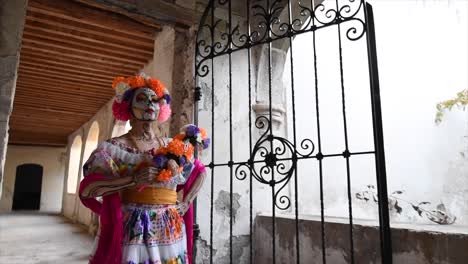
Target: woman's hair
{"type": "Point", "coordinates": [125, 88]}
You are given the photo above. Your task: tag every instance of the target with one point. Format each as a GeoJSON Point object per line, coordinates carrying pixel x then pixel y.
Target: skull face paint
{"type": "Point", "coordinates": [145, 104]}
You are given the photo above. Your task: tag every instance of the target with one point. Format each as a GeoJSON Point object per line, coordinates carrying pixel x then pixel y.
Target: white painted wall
{"type": "Point", "coordinates": [51, 159]}
{"type": "Point", "coordinates": [422, 61]}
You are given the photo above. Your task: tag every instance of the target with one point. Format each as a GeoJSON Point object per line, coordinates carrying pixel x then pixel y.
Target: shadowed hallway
{"type": "Point", "coordinates": [29, 237]}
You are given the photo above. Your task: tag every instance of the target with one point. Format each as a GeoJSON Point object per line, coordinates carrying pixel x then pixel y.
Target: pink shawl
{"type": "Point", "coordinates": [198, 169]}
{"type": "Point", "coordinates": [109, 248]}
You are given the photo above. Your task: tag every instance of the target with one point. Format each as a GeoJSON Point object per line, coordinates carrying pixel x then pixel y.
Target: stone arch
{"type": "Point", "coordinates": [120, 128]}
{"type": "Point", "coordinates": [74, 164]}
{"type": "Point", "coordinates": [91, 142]}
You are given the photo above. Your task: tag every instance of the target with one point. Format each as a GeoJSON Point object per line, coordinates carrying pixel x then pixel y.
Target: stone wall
{"type": "Point", "coordinates": [12, 14]}
{"type": "Point", "coordinates": [411, 245]}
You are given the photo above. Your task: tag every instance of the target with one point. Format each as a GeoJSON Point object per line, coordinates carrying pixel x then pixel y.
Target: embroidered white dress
{"type": "Point", "coordinates": [153, 233]}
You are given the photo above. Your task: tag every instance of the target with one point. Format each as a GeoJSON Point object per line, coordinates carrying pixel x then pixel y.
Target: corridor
{"type": "Point", "coordinates": [42, 238]}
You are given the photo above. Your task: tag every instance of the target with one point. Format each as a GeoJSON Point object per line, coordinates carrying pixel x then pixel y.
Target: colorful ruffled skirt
{"type": "Point", "coordinates": [154, 234]}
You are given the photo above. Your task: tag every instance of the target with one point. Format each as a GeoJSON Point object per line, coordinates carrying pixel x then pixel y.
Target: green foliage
{"type": "Point", "coordinates": [460, 101]}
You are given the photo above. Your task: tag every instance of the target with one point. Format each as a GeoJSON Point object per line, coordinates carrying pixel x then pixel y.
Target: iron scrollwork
{"type": "Point", "coordinates": [217, 37]}
{"type": "Point", "coordinates": [273, 161]}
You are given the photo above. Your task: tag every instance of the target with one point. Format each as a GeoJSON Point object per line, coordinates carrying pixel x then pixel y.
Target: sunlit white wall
{"type": "Point", "coordinates": [423, 59]}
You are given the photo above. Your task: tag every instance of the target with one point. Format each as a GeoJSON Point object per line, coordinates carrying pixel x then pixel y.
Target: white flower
{"type": "Point", "coordinates": [121, 88]}
{"type": "Point", "coordinates": [118, 98]}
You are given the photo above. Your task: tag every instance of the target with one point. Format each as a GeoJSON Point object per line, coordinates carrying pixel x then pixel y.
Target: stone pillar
{"type": "Point", "coordinates": [278, 103]}
{"type": "Point", "coordinates": [173, 65]}
{"type": "Point", "coordinates": [12, 16]}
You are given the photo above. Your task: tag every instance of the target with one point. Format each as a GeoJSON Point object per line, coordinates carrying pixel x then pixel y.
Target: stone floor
{"type": "Point", "coordinates": [38, 238]}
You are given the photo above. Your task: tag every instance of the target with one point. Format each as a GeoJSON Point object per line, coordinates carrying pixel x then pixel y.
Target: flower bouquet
{"type": "Point", "coordinates": [180, 149]}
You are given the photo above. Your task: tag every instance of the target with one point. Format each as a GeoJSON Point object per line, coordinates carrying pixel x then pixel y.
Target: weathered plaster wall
{"type": "Point", "coordinates": [53, 163]}
{"type": "Point", "coordinates": [410, 246]}
{"type": "Point", "coordinates": [12, 14]}
{"type": "Point", "coordinates": [239, 99]}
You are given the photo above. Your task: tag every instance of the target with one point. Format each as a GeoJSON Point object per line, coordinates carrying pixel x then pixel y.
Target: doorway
{"type": "Point", "coordinates": [28, 185]}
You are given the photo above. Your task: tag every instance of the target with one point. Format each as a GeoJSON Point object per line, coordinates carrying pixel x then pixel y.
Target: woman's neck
{"type": "Point", "coordinates": [142, 131]}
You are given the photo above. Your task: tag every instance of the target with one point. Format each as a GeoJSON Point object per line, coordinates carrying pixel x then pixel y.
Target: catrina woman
{"type": "Point", "coordinates": [143, 219]}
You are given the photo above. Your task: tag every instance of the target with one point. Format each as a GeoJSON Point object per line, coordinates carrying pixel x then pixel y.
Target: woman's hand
{"type": "Point", "coordinates": [145, 175]}
{"type": "Point", "coordinates": [182, 208]}
{"type": "Point", "coordinates": [173, 167]}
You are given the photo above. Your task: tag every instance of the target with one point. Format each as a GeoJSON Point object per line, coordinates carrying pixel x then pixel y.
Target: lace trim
{"type": "Point", "coordinates": [128, 148]}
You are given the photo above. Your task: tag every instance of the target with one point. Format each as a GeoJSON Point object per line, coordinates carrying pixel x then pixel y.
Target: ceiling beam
{"type": "Point", "coordinates": [62, 53]}
{"type": "Point", "coordinates": [50, 44]}
{"type": "Point", "coordinates": [50, 110]}
{"type": "Point", "coordinates": [38, 58]}
{"type": "Point", "coordinates": [60, 34]}
{"type": "Point", "coordinates": [22, 90]}
{"type": "Point", "coordinates": [92, 32]}
{"type": "Point", "coordinates": [150, 12]}
{"type": "Point", "coordinates": [76, 12]}
{"type": "Point", "coordinates": [88, 74]}
{"type": "Point", "coordinates": [71, 103]}
{"type": "Point", "coordinates": [41, 126]}
{"type": "Point", "coordinates": [52, 41]}
{"type": "Point", "coordinates": [77, 78]}
{"type": "Point", "coordinates": [42, 80]}
{"type": "Point", "coordinates": [64, 91]}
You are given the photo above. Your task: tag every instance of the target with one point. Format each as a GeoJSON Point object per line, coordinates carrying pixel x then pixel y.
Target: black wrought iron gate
{"type": "Point", "coordinates": [242, 46]}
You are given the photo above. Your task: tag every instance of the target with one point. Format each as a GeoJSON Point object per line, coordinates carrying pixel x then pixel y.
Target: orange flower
{"type": "Point", "coordinates": [176, 147]}
{"type": "Point", "coordinates": [179, 137]}
{"type": "Point", "coordinates": [116, 81]}
{"type": "Point", "coordinates": [203, 132]}
{"type": "Point", "coordinates": [157, 86]}
{"type": "Point", "coordinates": [136, 81]}
{"type": "Point", "coordinates": [164, 175]}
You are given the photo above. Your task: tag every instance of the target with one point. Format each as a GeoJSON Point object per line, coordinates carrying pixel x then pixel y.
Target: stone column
{"type": "Point", "coordinates": [278, 103]}
{"type": "Point", "coordinates": [12, 16]}
{"type": "Point", "coordinates": [173, 65]}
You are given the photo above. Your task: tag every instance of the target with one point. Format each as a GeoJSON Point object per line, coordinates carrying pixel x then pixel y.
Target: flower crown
{"type": "Point", "coordinates": [125, 88]}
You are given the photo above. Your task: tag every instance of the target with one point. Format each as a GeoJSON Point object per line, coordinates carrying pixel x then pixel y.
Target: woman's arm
{"type": "Point", "coordinates": [195, 189]}
{"type": "Point", "coordinates": [186, 199]}
{"type": "Point", "coordinates": [106, 187]}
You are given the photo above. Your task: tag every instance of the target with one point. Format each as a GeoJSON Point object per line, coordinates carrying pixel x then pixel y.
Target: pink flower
{"type": "Point", "coordinates": [164, 113]}
{"type": "Point", "coordinates": [121, 110]}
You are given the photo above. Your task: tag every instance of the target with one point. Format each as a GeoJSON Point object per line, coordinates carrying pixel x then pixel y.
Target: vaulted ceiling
{"type": "Point", "coordinates": [69, 56]}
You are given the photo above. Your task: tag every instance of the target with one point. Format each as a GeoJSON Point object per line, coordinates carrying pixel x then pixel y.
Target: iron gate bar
{"type": "Point", "coordinates": [345, 128]}
{"type": "Point", "coordinates": [384, 219]}
{"type": "Point", "coordinates": [250, 135]}
{"type": "Point", "coordinates": [319, 140]}
{"type": "Point", "coordinates": [293, 103]}
{"type": "Point", "coordinates": [212, 136]}
{"type": "Point", "coordinates": [341, 15]}
{"type": "Point", "coordinates": [231, 156]}
{"type": "Point", "coordinates": [273, 218]}
{"type": "Point", "coordinates": [318, 156]}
